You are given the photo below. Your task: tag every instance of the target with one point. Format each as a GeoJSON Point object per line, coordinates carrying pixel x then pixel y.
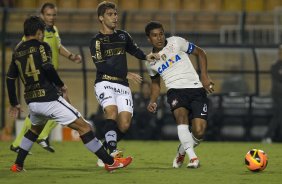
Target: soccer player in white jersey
{"type": "Point", "coordinates": [186, 91]}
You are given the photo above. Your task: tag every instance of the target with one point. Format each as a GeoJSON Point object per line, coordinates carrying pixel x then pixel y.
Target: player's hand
{"type": "Point", "coordinates": [152, 57]}
{"type": "Point", "coordinates": [136, 78]}
{"type": "Point", "coordinates": [76, 58]}
{"type": "Point", "coordinates": [208, 85]}
{"type": "Point", "coordinates": [152, 107]}
{"type": "Point", "coordinates": [15, 110]}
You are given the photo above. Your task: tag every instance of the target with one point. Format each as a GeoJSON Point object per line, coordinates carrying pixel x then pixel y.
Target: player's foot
{"type": "Point", "coordinates": [178, 160]}
{"type": "Point", "coordinates": [118, 163]}
{"type": "Point", "coordinates": [45, 144]}
{"type": "Point", "coordinates": [16, 168]}
{"type": "Point", "coordinates": [115, 154]}
{"type": "Point", "coordinates": [194, 163]}
{"type": "Point", "coordinates": [17, 149]}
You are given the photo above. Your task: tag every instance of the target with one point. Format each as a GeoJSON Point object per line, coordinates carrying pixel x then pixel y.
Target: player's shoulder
{"type": "Point", "coordinates": [123, 34]}
{"type": "Point", "coordinates": [120, 31]}
{"type": "Point", "coordinates": [45, 45]}
{"type": "Point", "coordinates": [175, 38]}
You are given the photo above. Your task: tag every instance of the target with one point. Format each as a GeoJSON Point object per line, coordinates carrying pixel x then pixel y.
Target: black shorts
{"type": "Point", "coordinates": [193, 99]}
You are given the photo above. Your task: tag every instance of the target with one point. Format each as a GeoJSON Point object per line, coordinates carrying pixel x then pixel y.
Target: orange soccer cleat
{"type": "Point", "coordinates": [16, 168]}
{"type": "Point", "coordinates": [118, 163]}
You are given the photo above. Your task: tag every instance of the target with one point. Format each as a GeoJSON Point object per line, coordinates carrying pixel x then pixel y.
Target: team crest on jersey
{"type": "Point", "coordinates": [106, 39]}
{"type": "Point", "coordinates": [122, 36]}
{"type": "Point", "coordinates": [168, 63]}
{"type": "Point", "coordinates": [163, 57]}
{"type": "Point", "coordinates": [174, 102]}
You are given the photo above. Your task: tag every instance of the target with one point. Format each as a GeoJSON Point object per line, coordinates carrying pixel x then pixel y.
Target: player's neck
{"type": "Point", "coordinates": [106, 30]}
{"type": "Point", "coordinates": [27, 38]}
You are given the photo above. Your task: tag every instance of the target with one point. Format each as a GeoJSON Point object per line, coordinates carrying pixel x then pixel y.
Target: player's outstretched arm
{"type": "Point", "coordinates": [152, 57]}
{"type": "Point", "coordinates": [136, 78]}
{"type": "Point", "coordinates": [76, 58]}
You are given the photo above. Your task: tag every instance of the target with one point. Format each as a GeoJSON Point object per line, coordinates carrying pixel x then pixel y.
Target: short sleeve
{"type": "Point", "coordinates": [151, 72]}
{"type": "Point", "coordinates": [184, 45]}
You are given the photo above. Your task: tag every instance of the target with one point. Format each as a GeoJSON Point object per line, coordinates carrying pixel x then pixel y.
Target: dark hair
{"type": "Point", "coordinates": [32, 24]}
{"type": "Point", "coordinates": [103, 6]}
{"type": "Point", "coordinates": [47, 5]}
{"type": "Point", "coordinates": [152, 25]}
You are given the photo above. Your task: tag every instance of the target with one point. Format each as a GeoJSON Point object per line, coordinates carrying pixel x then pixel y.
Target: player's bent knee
{"type": "Point", "coordinates": [124, 127]}
{"type": "Point", "coordinates": [81, 126]}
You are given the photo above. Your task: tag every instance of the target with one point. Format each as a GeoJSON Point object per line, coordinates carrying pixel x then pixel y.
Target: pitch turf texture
{"type": "Point", "coordinates": [72, 163]}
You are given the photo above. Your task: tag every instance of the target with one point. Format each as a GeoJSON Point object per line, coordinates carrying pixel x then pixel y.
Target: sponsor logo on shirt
{"type": "Point", "coordinates": [168, 63]}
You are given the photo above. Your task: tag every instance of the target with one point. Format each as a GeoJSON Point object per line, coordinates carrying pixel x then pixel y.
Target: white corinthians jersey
{"type": "Point", "coordinates": [174, 65]}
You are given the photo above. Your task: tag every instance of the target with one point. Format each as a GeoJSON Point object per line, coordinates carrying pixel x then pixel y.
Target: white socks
{"type": "Point", "coordinates": [186, 140]}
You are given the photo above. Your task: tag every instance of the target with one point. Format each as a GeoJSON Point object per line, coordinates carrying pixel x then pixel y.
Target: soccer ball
{"type": "Point", "coordinates": [256, 160]}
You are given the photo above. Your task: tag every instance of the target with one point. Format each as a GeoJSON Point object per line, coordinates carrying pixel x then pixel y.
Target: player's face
{"type": "Point", "coordinates": [109, 19]}
{"type": "Point", "coordinates": [157, 38]}
{"type": "Point", "coordinates": [39, 35]}
{"type": "Point", "coordinates": [49, 16]}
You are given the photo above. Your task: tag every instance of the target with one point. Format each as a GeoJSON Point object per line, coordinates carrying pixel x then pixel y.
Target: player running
{"type": "Point", "coordinates": [31, 62]}
{"type": "Point", "coordinates": [108, 49]}
{"type": "Point", "coordinates": [186, 92]}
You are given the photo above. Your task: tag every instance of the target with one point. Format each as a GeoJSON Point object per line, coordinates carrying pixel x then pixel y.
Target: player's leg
{"type": "Point", "coordinates": [15, 145]}
{"type": "Point", "coordinates": [198, 130]}
{"type": "Point", "coordinates": [42, 139]}
{"type": "Point", "coordinates": [106, 97]}
{"type": "Point", "coordinates": [111, 127]}
{"type": "Point", "coordinates": [125, 112]}
{"type": "Point", "coordinates": [185, 136]}
{"type": "Point", "coordinates": [27, 141]}
{"type": "Point", "coordinates": [66, 114]}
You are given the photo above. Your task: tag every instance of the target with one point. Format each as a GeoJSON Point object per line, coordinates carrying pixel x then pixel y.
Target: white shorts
{"type": "Point", "coordinates": [59, 110]}
{"type": "Point", "coordinates": [109, 93]}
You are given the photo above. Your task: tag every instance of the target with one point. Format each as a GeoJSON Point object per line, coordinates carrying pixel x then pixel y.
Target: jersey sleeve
{"type": "Point", "coordinates": [184, 45]}
{"type": "Point", "coordinates": [96, 50]}
{"type": "Point", "coordinates": [45, 53]}
{"type": "Point", "coordinates": [13, 72]}
{"type": "Point", "coordinates": [151, 72]}
{"type": "Point", "coordinates": [133, 49]}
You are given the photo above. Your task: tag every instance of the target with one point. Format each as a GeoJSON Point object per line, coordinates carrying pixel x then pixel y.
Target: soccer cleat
{"type": "Point", "coordinates": [17, 149]}
{"type": "Point", "coordinates": [16, 168]}
{"type": "Point", "coordinates": [178, 160]}
{"type": "Point", "coordinates": [115, 154]}
{"type": "Point", "coordinates": [194, 163]}
{"type": "Point", "coordinates": [118, 163]}
{"type": "Point", "coordinates": [45, 144]}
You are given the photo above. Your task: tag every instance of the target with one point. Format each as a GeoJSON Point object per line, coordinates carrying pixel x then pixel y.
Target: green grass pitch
{"type": "Point", "coordinates": [72, 163]}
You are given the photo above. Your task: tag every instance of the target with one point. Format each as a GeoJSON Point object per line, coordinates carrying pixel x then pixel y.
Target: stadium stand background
{"type": "Point", "coordinates": [239, 36]}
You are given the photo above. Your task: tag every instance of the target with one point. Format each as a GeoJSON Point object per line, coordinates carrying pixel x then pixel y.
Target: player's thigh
{"type": "Point", "coordinates": [181, 115]}
{"type": "Point", "coordinates": [58, 110]}
{"type": "Point", "coordinates": [105, 93]}
{"type": "Point", "coordinates": [125, 103]}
